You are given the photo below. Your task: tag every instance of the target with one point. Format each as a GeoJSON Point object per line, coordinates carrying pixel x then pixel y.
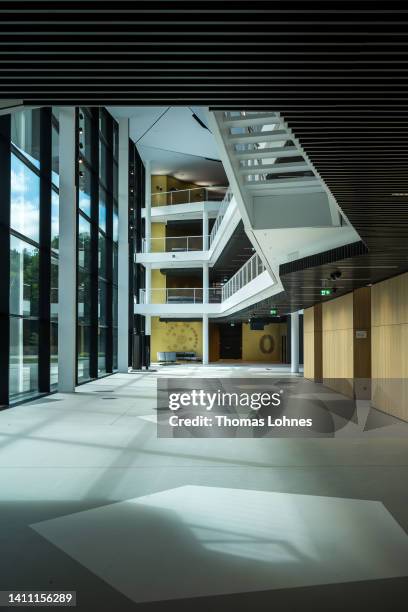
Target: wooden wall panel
{"type": "Point", "coordinates": [214, 332]}
{"type": "Point", "coordinates": [318, 343]}
{"type": "Point", "coordinates": [308, 343]}
{"type": "Point", "coordinates": [362, 342]}
{"type": "Point", "coordinates": [390, 301]}
{"type": "Point", "coordinates": [338, 313]}
{"type": "Point", "coordinates": [337, 339]}
{"type": "Point", "coordinates": [334, 353]}
{"type": "Point", "coordinates": [312, 343]}
{"type": "Point", "coordinates": [389, 312]}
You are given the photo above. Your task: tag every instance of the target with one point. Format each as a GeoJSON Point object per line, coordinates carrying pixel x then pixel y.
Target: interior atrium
{"type": "Point", "coordinates": [205, 196]}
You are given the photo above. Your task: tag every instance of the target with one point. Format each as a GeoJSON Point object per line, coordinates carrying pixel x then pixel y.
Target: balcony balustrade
{"type": "Point", "coordinates": [187, 196]}
{"type": "Point", "coordinates": [180, 295]}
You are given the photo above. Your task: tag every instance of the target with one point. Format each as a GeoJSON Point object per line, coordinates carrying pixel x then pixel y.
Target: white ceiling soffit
{"type": "Point", "coordinates": [187, 168]}
{"type": "Point", "coordinates": [175, 142]}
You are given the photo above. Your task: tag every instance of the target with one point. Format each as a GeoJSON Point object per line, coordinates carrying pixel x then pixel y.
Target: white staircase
{"type": "Point", "coordinates": [287, 210]}
{"type": "Point", "coordinates": [264, 154]}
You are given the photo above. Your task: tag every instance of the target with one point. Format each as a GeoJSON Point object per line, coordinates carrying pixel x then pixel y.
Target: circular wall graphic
{"type": "Point", "coordinates": [181, 339]}
{"type": "Point", "coordinates": [267, 344]}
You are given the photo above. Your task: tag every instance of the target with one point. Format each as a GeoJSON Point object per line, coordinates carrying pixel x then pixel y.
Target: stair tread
{"type": "Point", "coordinates": [260, 119]}
{"type": "Point", "coordinates": [307, 180]}
{"type": "Point", "coordinates": [273, 153]}
{"type": "Point", "coordinates": [275, 168]}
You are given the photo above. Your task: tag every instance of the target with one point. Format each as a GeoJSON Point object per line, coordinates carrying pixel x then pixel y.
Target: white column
{"type": "Point", "coordinates": [148, 205]}
{"type": "Point", "coordinates": [123, 246]}
{"type": "Point", "coordinates": [294, 342]}
{"type": "Point", "coordinates": [206, 283]}
{"type": "Point", "coordinates": [148, 298]}
{"type": "Point", "coordinates": [67, 252]}
{"type": "Point", "coordinates": [205, 229]}
{"type": "Point", "coordinates": [205, 339]}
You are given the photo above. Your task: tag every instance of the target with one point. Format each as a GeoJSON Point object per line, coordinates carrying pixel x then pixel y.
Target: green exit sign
{"type": "Point", "coordinates": [274, 311]}
{"type": "Point", "coordinates": [325, 291]}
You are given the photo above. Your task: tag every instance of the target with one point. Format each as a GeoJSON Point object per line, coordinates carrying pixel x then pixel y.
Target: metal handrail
{"type": "Point", "coordinates": [250, 270]}
{"type": "Point", "coordinates": [167, 198]}
{"type": "Point", "coordinates": [181, 295]}
{"type": "Point", "coordinates": [221, 213]}
{"type": "Point", "coordinates": [188, 243]}
{"type": "Point", "coordinates": [197, 295]}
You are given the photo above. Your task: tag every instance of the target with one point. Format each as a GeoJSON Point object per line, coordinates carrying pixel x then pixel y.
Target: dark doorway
{"type": "Point", "coordinates": [230, 341]}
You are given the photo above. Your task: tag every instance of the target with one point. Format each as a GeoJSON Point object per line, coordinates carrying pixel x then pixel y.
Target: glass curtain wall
{"type": "Point", "coordinates": [29, 249]}
{"type": "Point", "coordinates": [97, 144]}
{"type": "Point", "coordinates": [136, 271]}
{"type": "Point", "coordinates": [54, 246]}
{"type": "Point", "coordinates": [24, 253]}
{"type": "Point", "coordinates": [29, 323]}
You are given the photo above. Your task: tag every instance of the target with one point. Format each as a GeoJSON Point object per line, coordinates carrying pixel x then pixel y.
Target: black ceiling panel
{"type": "Point", "coordinates": [337, 71]}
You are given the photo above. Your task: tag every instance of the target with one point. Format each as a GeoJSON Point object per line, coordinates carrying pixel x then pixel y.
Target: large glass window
{"type": "Point", "coordinates": [84, 352]}
{"type": "Point", "coordinates": [27, 272]}
{"type": "Point", "coordinates": [102, 208]}
{"type": "Point", "coordinates": [84, 243]}
{"type": "Point", "coordinates": [54, 220]}
{"type": "Point", "coordinates": [54, 250]}
{"type": "Point", "coordinates": [85, 190]}
{"type": "Point", "coordinates": [97, 243]}
{"type": "Point", "coordinates": [23, 370]}
{"type": "Point", "coordinates": [102, 255]}
{"type": "Point", "coordinates": [115, 230]}
{"type": "Point", "coordinates": [55, 154]}
{"type": "Point", "coordinates": [54, 323]}
{"type": "Point", "coordinates": [25, 134]}
{"type": "Point", "coordinates": [103, 162]}
{"type": "Point", "coordinates": [84, 297]}
{"type": "Point", "coordinates": [85, 135]}
{"type": "Point", "coordinates": [115, 265]}
{"type": "Point", "coordinates": [102, 333]}
{"type": "Point", "coordinates": [84, 326]}
{"type": "Point", "coordinates": [25, 199]}
{"type": "Point", "coordinates": [24, 262]}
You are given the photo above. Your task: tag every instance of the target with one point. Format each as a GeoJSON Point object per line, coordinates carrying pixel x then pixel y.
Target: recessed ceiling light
{"type": "Point", "coordinates": [400, 193]}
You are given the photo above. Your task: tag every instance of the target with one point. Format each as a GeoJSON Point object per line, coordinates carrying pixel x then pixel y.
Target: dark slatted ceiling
{"type": "Point", "coordinates": [336, 70]}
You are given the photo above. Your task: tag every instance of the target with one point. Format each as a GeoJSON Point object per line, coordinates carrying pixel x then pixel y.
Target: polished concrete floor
{"type": "Point", "coordinates": [93, 501]}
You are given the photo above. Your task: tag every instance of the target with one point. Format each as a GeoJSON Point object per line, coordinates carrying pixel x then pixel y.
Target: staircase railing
{"type": "Point", "coordinates": [250, 270]}
{"type": "Point", "coordinates": [221, 213]}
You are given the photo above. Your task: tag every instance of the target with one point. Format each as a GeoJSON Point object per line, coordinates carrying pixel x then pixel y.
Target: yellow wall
{"type": "Point", "coordinates": [158, 231]}
{"type": "Point", "coordinates": [338, 347]}
{"type": "Point", "coordinates": [161, 185]}
{"type": "Point", "coordinates": [251, 342]}
{"type": "Point", "coordinates": [158, 282]}
{"type": "Point", "coordinates": [187, 336]}
{"type": "Point", "coordinates": [389, 333]}
{"type": "Point", "coordinates": [174, 336]}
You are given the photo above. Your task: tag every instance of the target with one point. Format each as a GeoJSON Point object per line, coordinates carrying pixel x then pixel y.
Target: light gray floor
{"type": "Point", "coordinates": [66, 457]}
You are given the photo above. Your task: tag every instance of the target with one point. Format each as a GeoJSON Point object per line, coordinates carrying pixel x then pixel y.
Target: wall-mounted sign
{"type": "Point", "coordinates": [361, 333]}
{"type": "Point", "coordinates": [325, 291]}
{"type": "Point", "coordinates": [274, 312]}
